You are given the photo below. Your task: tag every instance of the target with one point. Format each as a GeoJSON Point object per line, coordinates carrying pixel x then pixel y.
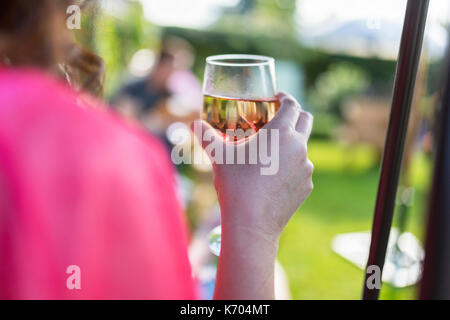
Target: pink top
{"type": "Point", "coordinates": [78, 187]}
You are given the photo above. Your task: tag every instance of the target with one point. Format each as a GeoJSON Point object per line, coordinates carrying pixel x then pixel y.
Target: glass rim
{"type": "Point", "coordinates": [220, 60]}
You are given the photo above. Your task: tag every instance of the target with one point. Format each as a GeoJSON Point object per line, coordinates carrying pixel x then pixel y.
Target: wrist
{"type": "Point", "coordinates": [249, 220]}
{"type": "Point", "coordinates": [248, 235]}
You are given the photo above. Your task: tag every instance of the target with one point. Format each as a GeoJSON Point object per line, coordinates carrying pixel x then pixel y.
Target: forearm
{"type": "Point", "coordinates": [246, 264]}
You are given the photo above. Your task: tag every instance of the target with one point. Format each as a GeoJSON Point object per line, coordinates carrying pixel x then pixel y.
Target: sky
{"type": "Point", "coordinates": [183, 13]}
{"type": "Point", "coordinates": [314, 17]}
{"type": "Point", "coordinates": [317, 17]}
{"type": "Point", "coordinates": [200, 13]}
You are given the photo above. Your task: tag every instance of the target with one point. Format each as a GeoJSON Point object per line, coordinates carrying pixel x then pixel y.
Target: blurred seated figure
{"type": "Point", "coordinates": [144, 95]}
{"type": "Point", "coordinates": [168, 93]}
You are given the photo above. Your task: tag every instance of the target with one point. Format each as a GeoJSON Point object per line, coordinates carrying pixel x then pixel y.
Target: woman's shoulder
{"type": "Point", "coordinates": [46, 124]}
{"type": "Point", "coordinates": [28, 91]}
{"type": "Point", "coordinates": [26, 83]}
{"type": "Point", "coordinates": [35, 103]}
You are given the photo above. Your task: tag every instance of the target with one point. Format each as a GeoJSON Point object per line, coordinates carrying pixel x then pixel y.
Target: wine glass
{"type": "Point", "coordinates": [238, 93]}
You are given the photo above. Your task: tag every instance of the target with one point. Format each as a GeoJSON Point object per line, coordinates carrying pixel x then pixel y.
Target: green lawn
{"type": "Point", "coordinates": [345, 184]}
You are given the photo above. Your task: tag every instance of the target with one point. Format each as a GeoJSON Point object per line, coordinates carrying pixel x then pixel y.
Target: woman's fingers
{"type": "Point", "coordinates": [288, 113]}
{"type": "Point", "coordinates": [291, 114]}
{"type": "Point", "coordinates": [304, 124]}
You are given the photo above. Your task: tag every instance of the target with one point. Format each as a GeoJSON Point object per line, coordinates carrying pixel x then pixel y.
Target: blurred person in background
{"type": "Point", "coordinates": [79, 187]}
{"type": "Point", "coordinates": [169, 93]}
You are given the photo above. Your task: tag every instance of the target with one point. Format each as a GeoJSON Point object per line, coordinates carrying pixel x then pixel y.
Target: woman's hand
{"type": "Point", "coordinates": [255, 207]}
{"type": "Point", "coordinates": [265, 202]}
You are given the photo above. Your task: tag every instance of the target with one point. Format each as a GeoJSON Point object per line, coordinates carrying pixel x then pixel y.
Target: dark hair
{"type": "Point", "coordinates": [34, 33]}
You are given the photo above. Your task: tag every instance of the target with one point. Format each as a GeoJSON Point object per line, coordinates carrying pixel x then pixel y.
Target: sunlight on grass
{"type": "Point", "coordinates": [335, 157]}
{"type": "Point", "coordinates": [343, 199]}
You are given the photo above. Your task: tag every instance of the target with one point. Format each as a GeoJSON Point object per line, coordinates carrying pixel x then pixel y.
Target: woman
{"type": "Point", "coordinates": [80, 188]}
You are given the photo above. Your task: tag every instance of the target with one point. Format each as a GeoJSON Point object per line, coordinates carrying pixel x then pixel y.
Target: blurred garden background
{"type": "Point", "coordinates": [338, 59]}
